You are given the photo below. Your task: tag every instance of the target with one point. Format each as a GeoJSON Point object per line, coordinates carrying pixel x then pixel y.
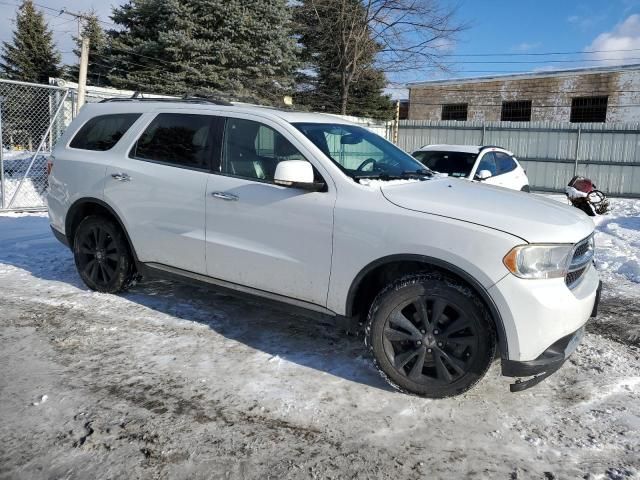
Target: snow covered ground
{"type": "Point", "coordinates": [170, 381]}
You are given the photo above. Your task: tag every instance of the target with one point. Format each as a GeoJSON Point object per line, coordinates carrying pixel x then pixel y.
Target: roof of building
{"type": "Point", "coordinates": [528, 75]}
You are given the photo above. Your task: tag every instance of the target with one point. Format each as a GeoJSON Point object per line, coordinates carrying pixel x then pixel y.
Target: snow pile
{"type": "Point", "coordinates": [618, 240]}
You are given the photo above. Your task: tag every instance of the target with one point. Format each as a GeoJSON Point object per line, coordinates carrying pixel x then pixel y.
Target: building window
{"type": "Point", "coordinates": [589, 109]}
{"type": "Point", "coordinates": [454, 111]}
{"type": "Point", "coordinates": [518, 111]}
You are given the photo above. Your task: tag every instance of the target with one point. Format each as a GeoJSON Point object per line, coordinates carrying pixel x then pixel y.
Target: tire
{"type": "Point", "coordinates": [453, 353]}
{"type": "Point", "coordinates": [526, 189]}
{"type": "Point", "coordinates": [102, 255]}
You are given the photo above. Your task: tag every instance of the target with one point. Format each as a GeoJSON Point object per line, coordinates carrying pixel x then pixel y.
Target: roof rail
{"type": "Point", "coordinates": [212, 101]}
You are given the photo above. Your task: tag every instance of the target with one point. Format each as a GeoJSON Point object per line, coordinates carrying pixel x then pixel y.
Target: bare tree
{"type": "Point", "coordinates": [349, 37]}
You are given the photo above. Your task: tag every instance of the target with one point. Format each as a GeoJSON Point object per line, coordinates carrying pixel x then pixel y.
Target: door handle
{"type": "Point", "coordinates": [229, 197]}
{"type": "Point", "coordinates": [123, 177]}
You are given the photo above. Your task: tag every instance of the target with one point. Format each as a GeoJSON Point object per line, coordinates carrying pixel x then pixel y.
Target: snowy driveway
{"type": "Point", "coordinates": [171, 381]}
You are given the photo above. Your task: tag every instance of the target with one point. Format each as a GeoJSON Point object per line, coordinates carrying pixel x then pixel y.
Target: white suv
{"type": "Point", "coordinates": [319, 213]}
{"type": "Point", "coordinates": [488, 164]}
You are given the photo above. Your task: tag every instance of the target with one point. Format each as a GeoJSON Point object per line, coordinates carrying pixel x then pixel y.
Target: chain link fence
{"type": "Point", "coordinates": [32, 118]}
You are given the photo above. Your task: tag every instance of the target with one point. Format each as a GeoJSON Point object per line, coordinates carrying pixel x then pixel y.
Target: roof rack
{"type": "Point", "coordinates": [212, 101]}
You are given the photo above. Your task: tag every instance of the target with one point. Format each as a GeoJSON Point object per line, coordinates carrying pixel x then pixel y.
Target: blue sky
{"type": "Point", "coordinates": [495, 26]}
{"type": "Point", "coordinates": [527, 26]}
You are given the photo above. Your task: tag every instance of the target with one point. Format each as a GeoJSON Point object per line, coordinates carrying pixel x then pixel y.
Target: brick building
{"type": "Point", "coordinates": [604, 94]}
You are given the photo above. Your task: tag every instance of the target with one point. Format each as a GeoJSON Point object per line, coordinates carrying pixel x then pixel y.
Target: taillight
{"type": "Point", "coordinates": [50, 165]}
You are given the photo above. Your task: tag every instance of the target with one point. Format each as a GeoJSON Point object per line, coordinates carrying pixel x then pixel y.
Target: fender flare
{"type": "Point", "coordinates": [92, 200]}
{"type": "Point", "coordinates": [436, 262]}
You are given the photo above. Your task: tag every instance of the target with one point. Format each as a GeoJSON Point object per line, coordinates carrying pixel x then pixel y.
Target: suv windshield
{"type": "Point", "coordinates": [456, 164]}
{"type": "Point", "coordinates": [361, 153]}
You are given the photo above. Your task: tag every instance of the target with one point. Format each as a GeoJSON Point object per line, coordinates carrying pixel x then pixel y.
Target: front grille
{"type": "Point", "coordinates": [580, 261]}
{"type": "Point", "coordinates": [581, 249]}
{"type": "Point", "coordinates": [573, 277]}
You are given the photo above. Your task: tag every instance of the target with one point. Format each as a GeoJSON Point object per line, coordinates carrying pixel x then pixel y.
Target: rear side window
{"type": "Point", "coordinates": [184, 140]}
{"type": "Point", "coordinates": [505, 162]}
{"type": "Point", "coordinates": [488, 162]}
{"type": "Point", "coordinates": [103, 132]}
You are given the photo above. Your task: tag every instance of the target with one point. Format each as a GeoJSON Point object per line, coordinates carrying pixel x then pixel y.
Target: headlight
{"type": "Point", "coordinates": [539, 261]}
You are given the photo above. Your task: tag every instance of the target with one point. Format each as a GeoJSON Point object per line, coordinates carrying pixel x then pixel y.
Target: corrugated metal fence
{"type": "Point", "coordinates": [551, 152]}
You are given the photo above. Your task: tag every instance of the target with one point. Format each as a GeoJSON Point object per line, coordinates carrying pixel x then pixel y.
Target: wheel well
{"type": "Point", "coordinates": [82, 209]}
{"type": "Point", "coordinates": [366, 288]}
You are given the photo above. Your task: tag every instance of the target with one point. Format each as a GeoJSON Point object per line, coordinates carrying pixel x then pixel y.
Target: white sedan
{"type": "Point", "coordinates": [488, 164]}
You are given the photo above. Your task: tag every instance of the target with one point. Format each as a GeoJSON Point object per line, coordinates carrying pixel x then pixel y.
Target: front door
{"type": "Point", "coordinates": [159, 188]}
{"type": "Point", "coordinates": [262, 235]}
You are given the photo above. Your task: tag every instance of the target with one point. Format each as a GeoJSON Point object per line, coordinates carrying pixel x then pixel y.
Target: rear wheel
{"type": "Point", "coordinates": [102, 254]}
{"type": "Point", "coordinates": [430, 336]}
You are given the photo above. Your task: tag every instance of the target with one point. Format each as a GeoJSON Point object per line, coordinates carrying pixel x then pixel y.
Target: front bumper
{"type": "Point", "coordinates": [537, 313]}
{"type": "Point", "coordinates": [546, 364]}
{"type": "Point", "coordinates": [548, 361]}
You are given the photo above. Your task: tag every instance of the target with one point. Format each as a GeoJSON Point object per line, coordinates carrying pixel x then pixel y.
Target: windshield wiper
{"type": "Point", "coordinates": [419, 172]}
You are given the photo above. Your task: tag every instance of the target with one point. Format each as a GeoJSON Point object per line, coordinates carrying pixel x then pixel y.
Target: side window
{"type": "Point", "coordinates": [505, 162]}
{"type": "Point", "coordinates": [253, 150]}
{"type": "Point", "coordinates": [184, 140]}
{"type": "Point", "coordinates": [103, 132]}
{"type": "Point", "coordinates": [488, 162]}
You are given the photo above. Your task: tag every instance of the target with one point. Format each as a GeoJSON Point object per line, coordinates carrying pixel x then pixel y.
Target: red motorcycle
{"type": "Point", "coordinates": [583, 194]}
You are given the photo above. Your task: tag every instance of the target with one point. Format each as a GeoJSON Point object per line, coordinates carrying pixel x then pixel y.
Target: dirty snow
{"type": "Point", "coordinates": [170, 381]}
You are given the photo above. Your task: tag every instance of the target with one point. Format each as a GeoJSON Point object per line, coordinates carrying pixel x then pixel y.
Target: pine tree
{"type": "Point", "coordinates": [339, 52]}
{"type": "Point", "coordinates": [198, 46]}
{"type": "Point", "coordinates": [99, 54]}
{"type": "Point", "coordinates": [31, 56]}
{"type": "Point", "coordinates": [142, 54]}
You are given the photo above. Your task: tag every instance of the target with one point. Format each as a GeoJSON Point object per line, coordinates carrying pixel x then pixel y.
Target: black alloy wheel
{"type": "Point", "coordinates": [102, 255]}
{"type": "Point", "coordinates": [430, 336]}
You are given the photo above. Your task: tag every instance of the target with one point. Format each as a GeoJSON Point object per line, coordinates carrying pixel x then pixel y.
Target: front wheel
{"type": "Point", "coordinates": [430, 336]}
{"type": "Point", "coordinates": [102, 254]}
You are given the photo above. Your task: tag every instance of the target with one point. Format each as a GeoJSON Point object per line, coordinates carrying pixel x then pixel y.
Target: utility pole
{"type": "Point", "coordinates": [82, 76]}
{"type": "Point", "coordinates": [84, 57]}
{"type": "Point", "coordinates": [396, 122]}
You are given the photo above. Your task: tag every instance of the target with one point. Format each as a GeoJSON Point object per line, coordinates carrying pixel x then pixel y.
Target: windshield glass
{"type": "Point", "coordinates": [456, 164]}
{"type": "Point", "coordinates": [361, 153]}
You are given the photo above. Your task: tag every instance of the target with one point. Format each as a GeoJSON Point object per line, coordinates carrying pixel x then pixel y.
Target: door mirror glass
{"type": "Point", "coordinates": [296, 174]}
{"type": "Point", "coordinates": [483, 174]}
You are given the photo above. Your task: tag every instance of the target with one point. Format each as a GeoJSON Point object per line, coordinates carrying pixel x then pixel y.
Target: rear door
{"type": "Point", "coordinates": [510, 173]}
{"type": "Point", "coordinates": [158, 188]}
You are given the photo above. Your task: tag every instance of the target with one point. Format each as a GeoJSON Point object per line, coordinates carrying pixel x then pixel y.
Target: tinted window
{"type": "Point", "coordinates": [505, 162]}
{"type": "Point", "coordinates": [180, 139]}
{"type": "Point", "coordinates": [103, 132]}
{"type": "Point", "coordinates": [253, 150]}
{"type": "Point", "coordinates": [488, 162]}
{"type": "Point", "coordinates": [359, 152]}
{"type": "Point", "coordinates": [456, 164]}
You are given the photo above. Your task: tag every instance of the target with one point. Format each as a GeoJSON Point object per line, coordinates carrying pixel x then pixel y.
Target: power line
{"type": "Point", "coordinates": [512, 54]}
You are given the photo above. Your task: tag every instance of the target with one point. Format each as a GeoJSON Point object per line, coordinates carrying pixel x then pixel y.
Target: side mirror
{"type": "Point", "coordinates": [296, 174]}
{"type": "Point", "coordinates": [483, 174]}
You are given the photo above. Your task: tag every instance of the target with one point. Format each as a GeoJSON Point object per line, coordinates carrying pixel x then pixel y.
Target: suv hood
{"type": "Point", "coordinates": [531, 217]}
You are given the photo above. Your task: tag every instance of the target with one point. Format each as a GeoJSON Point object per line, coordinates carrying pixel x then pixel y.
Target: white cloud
{"type": "Point", "coordinates": [587, 21]}
{"type": "Point", "coordinates": [625, 36]}
{"type": "Point", "coordinates": [526, 47]}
